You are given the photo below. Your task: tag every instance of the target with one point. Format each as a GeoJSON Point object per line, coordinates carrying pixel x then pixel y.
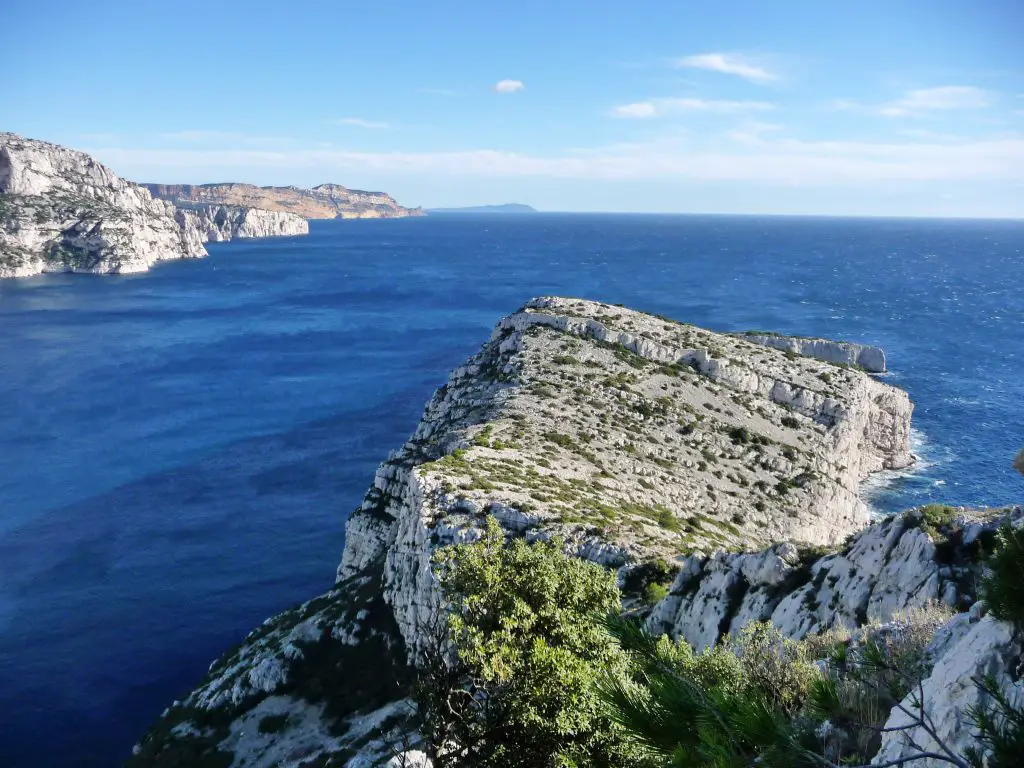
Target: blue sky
{"type": "Point", "coordinates": [874, 108]}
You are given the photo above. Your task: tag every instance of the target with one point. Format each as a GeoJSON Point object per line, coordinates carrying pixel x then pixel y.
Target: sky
{"type": "Point", "coordinates": [862, 108]}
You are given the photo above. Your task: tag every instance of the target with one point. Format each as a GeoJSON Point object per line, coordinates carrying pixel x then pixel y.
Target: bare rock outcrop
{"type": "Point", "coordinates": [61, 211]}
{"type": "Point", "coordinates": [871, 359]}
{"type": "Point", "coordinates": [906, 561]}
{"type": "Point", "coordinates": [629, 436]}
{"type": "Point", "coordinates": [218, 223]}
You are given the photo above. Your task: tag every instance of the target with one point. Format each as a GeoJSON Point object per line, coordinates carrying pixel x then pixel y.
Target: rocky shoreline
{"type": "Point", "coordinates": [638, 441]}
{"type": "Point", "coordinates": [61, 211]}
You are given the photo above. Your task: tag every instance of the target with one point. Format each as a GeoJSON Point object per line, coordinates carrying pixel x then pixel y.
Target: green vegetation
{"type": "Point", "coordinates": [522, 688]}
{"type": "Point", "coordinates": [1003, 585]}
{"type": "Point", "coordinates": [273, 723]}
{"type": "Point", "coordinates": [541, 679]}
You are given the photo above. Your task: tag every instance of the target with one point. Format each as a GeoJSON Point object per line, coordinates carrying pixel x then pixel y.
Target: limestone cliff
{"type": "Point", "coordinates": [871, 359]}
{"type": "Point", "coordinates": [61, 211]}
{"type": "Point", "coordinates": [217, 223]}
{"type": "Point", "coordinates": [327, 201]}
{"type": "Point", "coordinates": [630, 436]}
{"type": "Point", "coordinates": [893, 565]}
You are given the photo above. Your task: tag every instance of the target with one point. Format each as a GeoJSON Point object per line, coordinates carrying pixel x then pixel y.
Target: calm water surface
{"type": "Point", "coordinates": [179, 450]}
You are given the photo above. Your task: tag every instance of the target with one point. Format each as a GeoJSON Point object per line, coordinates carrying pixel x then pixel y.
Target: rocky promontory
{"type": "Point", "coordinates": [634, 438]}
{"type": "Point", "coordinates": [61, 211]}
{"type": "Point", "coordinates": [326, 201]}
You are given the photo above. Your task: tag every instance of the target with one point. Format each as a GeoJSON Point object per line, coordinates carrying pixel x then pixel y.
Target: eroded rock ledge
{"type": "Point", "coordinates": [217, 223]}
{"type": "Point", "coordinates": [631, 436]}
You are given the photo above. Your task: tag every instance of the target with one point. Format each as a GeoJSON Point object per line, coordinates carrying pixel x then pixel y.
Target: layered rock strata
{"type": "Point", "coordinates": [870, 359]}
{"type": "Point", "coordinates": [630, 436]}
{"type": "Point", "coordinates": [326, 201]}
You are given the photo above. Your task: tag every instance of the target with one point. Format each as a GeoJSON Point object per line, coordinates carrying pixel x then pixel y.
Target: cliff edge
{"type": "Point", "coordinates": [61, 211]}
{"type": "Point", "coordinates": [326, 201]}
{"type": "Point", "coordinates": [631, 436]}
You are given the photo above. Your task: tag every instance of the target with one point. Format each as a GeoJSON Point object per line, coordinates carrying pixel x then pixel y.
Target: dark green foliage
{"type": "Point", "coordinates": [740, 435]}
{"type": "Point", "coordinates": [1003, 585]}
{"type": "Point", "coordinates": [559, 439]}
{"type": "Point", "coordinates": [790, 421]}
{"type": "Point", "coordinates": [727, 707]}
{"type": "Point", "coordinates": [1000, 729]}
{"type": "Point", "coordinates": [273, 723]}
{"type": "Point", "coordinates": [521, 688]}
{"type": "Point", "coordinates": [640, 577]}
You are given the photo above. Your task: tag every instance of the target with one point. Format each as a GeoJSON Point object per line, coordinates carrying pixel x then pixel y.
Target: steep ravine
{"type": "Point", "coordinates": [633, 437]}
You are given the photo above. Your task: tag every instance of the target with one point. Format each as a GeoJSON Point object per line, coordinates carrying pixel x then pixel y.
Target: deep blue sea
{"type": "Point", "coordinates": [179, 450]}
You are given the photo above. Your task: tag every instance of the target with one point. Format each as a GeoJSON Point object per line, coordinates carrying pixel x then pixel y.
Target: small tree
{"type": "Point", "coordinates": [510, 679]}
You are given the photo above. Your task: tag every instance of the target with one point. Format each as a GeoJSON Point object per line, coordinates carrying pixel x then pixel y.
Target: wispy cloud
{"type": "Point", "coordinates": [509, 86]}
{"type": "Point", "coordinates": [359, 122]}
{"type": "Point", "coordinates": [668, 106]}
{"type": "Point", "coordinates": [788, 161]}
{"type": "Point", "coordinates": [946, 97]}
{"type": "Point", "coordinates": [727, 64]}
{"type": "Point", "coordinates": [439, 92]}
{"type": "Point", "coordinates": [220, 137]}
{"type": "Point", "coordinates": [923, 101]}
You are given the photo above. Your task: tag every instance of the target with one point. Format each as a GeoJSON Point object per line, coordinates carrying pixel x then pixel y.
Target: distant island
{"type": "Point", "coordinates": [504, 208]}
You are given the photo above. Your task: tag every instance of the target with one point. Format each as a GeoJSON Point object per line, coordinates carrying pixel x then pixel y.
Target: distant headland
{"type": "Point", "coordinates": [504, 208]}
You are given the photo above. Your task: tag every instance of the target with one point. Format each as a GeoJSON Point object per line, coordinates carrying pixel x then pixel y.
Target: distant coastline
{"type": "Point", "coordinates": [504, 208]}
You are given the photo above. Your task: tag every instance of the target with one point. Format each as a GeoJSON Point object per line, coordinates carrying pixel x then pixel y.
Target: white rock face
{"type": "Point", "coordinates": [61, 211]}
{"type": "Point", "coordinates": [871, 359]}
{"type": "Point", "coordinates": [549, 431]}
{"type": "Point", "coordinates": [985, 647]}
{"type": "Point", "coordinates": [887, 568]}
{"type": "Point", "coordinates": [218, 223]}
{"type": "Point", "coordinates": [630, 437]}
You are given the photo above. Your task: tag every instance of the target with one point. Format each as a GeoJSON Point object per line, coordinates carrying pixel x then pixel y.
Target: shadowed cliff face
{"type": "Point", "coordinates": [630, 436]}
{"type": "Point", "coordinates": [61, 211]}
{"type": "Point", "coordinates": [327, 201]}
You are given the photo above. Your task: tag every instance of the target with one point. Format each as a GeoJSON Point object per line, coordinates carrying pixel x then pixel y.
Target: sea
{"type": "Point", "coordinates": [180, 449]}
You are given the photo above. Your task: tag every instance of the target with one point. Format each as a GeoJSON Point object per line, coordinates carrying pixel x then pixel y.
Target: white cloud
{"type": "Point", "coordinates": [509, 86]}
{"type": "Point", "coordinates": [922, 101]}
{"type": "Point", "coordinates": [640, 109]}
{"type": "Point", "coordinates": [359, 122]}
{"type": "Point", "coordinates": [755, 160]}
{"type": "Point", "coordinates": [221, 137]}
{"type": "Point", "coordinates": [728, 64]}
{"type": "Point", "coordinates": [947, 97]}
{"type": "Point", "coordinates": [667, 106]}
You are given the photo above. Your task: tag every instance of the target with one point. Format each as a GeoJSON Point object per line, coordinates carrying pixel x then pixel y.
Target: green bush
{"type": "Point", "coordinates": [521, 687]}
{"type": "Point", "coordinates": [728, 706]}
{"type": "Point", "coordinates": [273, 723]}
{"type": "Point", "coordinates": [1003, 584]}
